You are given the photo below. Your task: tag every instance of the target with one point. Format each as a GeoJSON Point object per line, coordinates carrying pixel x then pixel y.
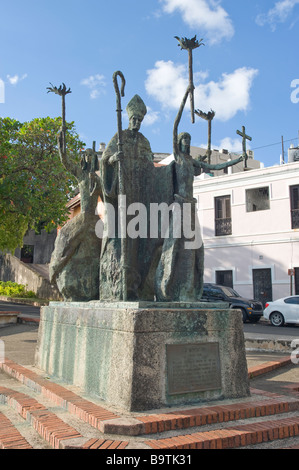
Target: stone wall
{"type": "Point", "coordinates": [12, 269]}
{"type": "Point", "coordinates": [43, 244]}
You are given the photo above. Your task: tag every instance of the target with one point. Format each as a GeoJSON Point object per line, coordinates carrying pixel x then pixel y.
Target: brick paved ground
{"type": "Point", "coordinates": [36, 412]}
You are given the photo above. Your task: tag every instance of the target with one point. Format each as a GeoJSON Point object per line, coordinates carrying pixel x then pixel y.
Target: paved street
{"type": "Point", "coordinates": [15, 307]}
{"type": "Point", "coordinates": [262, 329]}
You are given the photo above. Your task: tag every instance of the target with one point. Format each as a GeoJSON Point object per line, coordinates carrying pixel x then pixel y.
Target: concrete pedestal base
{"type": "Point", "coordinates": [140, 356]}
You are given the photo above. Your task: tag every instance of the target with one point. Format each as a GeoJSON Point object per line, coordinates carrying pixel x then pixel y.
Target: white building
{"type": "Point", "coordinates": [250, 226]}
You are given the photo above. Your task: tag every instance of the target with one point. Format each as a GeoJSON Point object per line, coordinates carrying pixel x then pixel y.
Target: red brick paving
{"type": "Point", "coordinates": [54, 430]}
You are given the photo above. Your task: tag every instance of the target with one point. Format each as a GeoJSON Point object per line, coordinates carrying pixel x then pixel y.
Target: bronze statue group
{"type": "Point", "coordinates": [143, 264]}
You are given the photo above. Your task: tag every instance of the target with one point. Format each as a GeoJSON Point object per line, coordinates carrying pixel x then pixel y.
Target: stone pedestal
{"type": "Point", "coordinates": [140, 356]}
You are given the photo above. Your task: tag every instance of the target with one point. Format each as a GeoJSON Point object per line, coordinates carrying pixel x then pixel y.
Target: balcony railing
{"type": "Point", "coordinates": [223, 227]}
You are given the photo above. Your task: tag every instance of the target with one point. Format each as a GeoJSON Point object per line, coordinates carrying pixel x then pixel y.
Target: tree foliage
{"type": "Point", "coordinates": [34, 185]}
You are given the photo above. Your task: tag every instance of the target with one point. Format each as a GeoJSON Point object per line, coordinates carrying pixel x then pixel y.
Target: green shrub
{"type": "Point", "coordinates": [13, 289]}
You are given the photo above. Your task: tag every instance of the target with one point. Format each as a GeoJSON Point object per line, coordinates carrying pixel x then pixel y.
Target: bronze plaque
{"type": "Point", "coordinates": [193, 367]}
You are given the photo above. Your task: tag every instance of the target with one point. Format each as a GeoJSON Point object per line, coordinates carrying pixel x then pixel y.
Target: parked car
{"type": "Point", "coordinates": [252, 310]}
{"type": "Point", "coordinates": [281, 311]}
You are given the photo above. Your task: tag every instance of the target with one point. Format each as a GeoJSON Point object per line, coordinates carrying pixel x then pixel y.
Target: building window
{"type": "Point", "coordinates": [294, 197]}
{"type": "Point", "coordinates": [224, 278]}
{"type": "Point", "coordinates": [223, 221]}
{"type": "Point", "coordinates": [27, 253]}
{"type": "Point", "coordinates": [257, 199]}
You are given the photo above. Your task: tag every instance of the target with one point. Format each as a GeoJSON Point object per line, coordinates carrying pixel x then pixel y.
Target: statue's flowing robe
{"type": "Point", "coordinates": [143, 184]}
{"type": "Point", "coordinates": [74, 265]}
{"type": "Point", "coordinates": [179, 275]}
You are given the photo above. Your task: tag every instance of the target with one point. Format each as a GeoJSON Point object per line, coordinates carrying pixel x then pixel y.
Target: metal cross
{"type": "Point", "coordinates": [244, 137]}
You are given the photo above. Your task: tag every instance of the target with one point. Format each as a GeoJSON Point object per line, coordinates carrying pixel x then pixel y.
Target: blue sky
{"type": "Point", "coordinates": [247, 71]}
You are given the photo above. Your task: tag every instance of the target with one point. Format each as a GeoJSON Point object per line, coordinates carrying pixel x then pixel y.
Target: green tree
{"type": "Point", "coordinates": [34, 185]}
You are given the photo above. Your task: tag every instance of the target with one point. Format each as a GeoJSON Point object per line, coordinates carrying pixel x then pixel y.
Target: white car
{"type": "Point", "coordinates": [281, 311]}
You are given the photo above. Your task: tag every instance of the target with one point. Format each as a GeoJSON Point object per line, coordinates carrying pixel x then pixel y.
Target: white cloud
{"type": "Point", "coordinates": [227, 96]}
{"type": "Point", "coordinates": [233, 145]}
{"type": "Point", "coordinates": [167, 83]}
{"type": "Point", "coordinates": [278, 14]}
{"type": "Point", "coordinates": [151, 117]}
{"type": "Point", "coordinates": [206, 15]}
{"type": "Point", "coordinates": [16, 78]}
{"type": "Point", "coordinates": [96, 84]}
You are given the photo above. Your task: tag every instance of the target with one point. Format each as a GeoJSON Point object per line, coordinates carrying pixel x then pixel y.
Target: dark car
{"type": "Point", "coordinates": [252, 310]}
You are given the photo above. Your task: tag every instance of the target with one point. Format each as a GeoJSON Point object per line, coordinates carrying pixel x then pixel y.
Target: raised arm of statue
{"type": "Point", "coordinates": [220, 166]}
{"type": "Point", "coordinates": [64, 157]}
{"type": "Point", "coordinates": [176, 150]}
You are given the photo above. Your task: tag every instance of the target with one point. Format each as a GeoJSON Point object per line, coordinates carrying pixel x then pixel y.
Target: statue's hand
{"type": "Point", "coordinates": [92, 183]}
{"type": "Point", "coordinates": [117, 157]}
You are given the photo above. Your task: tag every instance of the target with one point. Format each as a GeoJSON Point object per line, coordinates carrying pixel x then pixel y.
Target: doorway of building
{"type": "Point", "coordinates": [262, 285]}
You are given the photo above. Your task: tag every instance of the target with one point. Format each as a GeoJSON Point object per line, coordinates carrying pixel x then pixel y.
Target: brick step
{"type": "Point", "coordinates": [145, 430]}
{"type": "Point", "coordinates": [86, 410]}
{"type": "Point", "coordinates": [53, 430]}
{"type": "Point", "coordinates": [10, 437]}
{"type": "Point", "coordinates": [202, 416]}
{"type": "Point", "coordinates": [269, 366]}
{"type": "Point", "coordinates": [232, 437]}
{"type": "Point", "coordinates": [264, 404]}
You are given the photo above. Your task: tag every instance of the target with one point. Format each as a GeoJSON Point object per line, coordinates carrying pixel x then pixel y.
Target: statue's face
{"type": "Point", "coordinates": [185, 145]}
{"type": "Point", "coordinates": [135, 122]}
{"type": "Point", "coordinates": [86, 159]}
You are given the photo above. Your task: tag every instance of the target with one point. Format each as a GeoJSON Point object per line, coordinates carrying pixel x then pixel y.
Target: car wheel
{"type": "Point", "coordinates": [244, 315]}
{"type": "Point", "coordinates": [277, 319]}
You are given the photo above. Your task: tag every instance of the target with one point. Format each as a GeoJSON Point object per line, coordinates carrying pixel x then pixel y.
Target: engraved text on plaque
{"type": "Point", "coordinates": [193, 367]}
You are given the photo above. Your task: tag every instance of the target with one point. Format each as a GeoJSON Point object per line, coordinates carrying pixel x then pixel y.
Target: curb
{"type": "Point", "coordinates": [32, 303]}
{"type": "Point", "coordinates": [28, 320]}
{"type": "Point", "coordinates": [268, 345]}
{"type": "Point", "coordinates": [266, 367]}
{"type": "Point", "coordinates": [12, 318]}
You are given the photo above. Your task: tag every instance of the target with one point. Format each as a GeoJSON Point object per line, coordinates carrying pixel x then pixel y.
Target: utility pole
{"type": "Point", "coordinates": [282, 144]}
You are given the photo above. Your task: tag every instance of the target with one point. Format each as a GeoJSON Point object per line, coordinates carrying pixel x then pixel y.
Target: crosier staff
{"type": "Point", "coordinates": [122, 206]}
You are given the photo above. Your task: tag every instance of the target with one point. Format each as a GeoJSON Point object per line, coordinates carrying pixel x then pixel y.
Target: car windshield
{"type": "Point", "coordinates": [229, 292]}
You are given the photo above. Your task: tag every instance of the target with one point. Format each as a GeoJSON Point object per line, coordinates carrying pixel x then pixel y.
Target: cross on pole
{"type": "Point", "coordinates": [244, 138]}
